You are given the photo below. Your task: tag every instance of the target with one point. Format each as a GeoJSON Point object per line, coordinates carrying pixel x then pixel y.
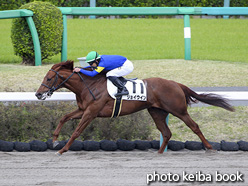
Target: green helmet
{"type": "Point", "coordinates": [92, 56]}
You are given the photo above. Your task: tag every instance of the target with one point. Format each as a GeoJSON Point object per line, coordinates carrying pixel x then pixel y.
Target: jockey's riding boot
{"type": "Point", "coordinates": [118, 83]}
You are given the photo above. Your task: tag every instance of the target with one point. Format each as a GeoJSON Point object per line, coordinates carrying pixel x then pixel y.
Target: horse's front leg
{"type": "Point", "coordinates": [77, 114]}
{"type": "Point", "coordinates": [87, 117]}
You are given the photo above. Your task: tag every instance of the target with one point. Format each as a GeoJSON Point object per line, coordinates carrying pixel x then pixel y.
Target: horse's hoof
{"type": "Point", "coordinates": [160, 152]}
{"type": "Point", "coordinates": [211, 151]}
{"type": "Point", "coordinates": [58, 154]}
{"type": "Point", "coordinates": [55, 144]}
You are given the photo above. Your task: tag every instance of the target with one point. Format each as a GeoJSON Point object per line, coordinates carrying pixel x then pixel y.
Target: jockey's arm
{"type": "Point", "coordinates": [92, 73]}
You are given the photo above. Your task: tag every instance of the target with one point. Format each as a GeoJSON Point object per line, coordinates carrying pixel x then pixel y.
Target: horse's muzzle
{"type": "Point", "coordinates": [39, 95]}
{"type": "Point", "coordinates": [44, 95]}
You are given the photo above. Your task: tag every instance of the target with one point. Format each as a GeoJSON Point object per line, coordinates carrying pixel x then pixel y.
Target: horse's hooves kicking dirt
{"type": "Point", "coordinates": [58, 154]}
{"type": "Point", "coordinates": [211, 151]}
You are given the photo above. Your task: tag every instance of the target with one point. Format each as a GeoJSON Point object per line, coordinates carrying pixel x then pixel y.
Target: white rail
{"type": "Point", "coordinates": [69, 96]}
{"type": "Point", "coordinates": [30, 96]}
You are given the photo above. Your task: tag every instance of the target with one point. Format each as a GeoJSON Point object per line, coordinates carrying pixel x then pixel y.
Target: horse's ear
{"type": "Point", "coordinates": [71, 65]}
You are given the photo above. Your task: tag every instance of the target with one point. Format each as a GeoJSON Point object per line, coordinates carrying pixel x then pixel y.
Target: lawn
{"type": "Point", "coordinates": [194, 73]}
{"type": "Point", "coordinates": [141, 39]}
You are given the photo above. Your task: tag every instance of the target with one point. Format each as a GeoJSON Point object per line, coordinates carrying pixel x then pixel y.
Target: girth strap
{"type": "Point", "coordinates": [117, 107]}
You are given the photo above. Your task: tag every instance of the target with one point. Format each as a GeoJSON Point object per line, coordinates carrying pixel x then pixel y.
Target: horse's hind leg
{"type": "Point", "coordinates": [195, 128]}
{"type": "Point", "coordinates": [77, 114]}
{"type": "Point", "coordinates": [159, 117]}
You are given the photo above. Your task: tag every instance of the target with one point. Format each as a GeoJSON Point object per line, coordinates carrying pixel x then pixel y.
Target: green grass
{"type": "Point", "coordinates": [220, 39]}
{"type": "Point", "coordinates": [139, 39]}
{"type": "Point", "coordinates": [193, 73]}
{"type": "Point", "coordinates": [6, 48]}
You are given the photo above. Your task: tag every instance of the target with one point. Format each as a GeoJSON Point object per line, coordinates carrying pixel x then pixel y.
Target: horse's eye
{"type": "Point", "coordinates": [49, 79]}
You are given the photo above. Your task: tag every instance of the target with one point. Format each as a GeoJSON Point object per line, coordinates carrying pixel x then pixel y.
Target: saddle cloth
{"type": "Point", "coordinates": [137, 90]}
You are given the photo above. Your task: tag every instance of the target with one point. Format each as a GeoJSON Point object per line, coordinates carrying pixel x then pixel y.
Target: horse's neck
{"type": "Point", "coordinates": [78, 85]}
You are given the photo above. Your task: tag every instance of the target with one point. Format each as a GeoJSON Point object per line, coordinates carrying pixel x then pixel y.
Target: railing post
{"type": "Point", "coordinates": [92, 4]}
{"type": "Point", "coordinates": [187, 38]}
{"type": "Point", "coordinates": [64, 40]}
{"type": "Point", "coordinates": [226, 4]}
{"type": "Point", "coordinates": [161, 137]}
{"type": "Point", "coordinates": [36, 41]}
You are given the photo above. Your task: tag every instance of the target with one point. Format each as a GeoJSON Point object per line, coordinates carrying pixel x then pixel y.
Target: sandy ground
{"type": "Point", "coordinates": [120, 168]}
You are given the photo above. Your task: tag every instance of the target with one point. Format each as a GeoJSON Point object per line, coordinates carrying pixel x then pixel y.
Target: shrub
{"type": "Point", "coordinates": [239, 3]}
{"type": "Point", "coordinates": [37, 121]}
{"type": "Point", "coordinates": [75, 3]}
{"type": "Point", "coordinates": [11, 4]}
{"type": "Point", "coordinates": [49, 25]}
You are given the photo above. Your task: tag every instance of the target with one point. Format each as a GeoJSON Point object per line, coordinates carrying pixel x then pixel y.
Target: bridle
{"type": "Point", "coordinates": [53, 88]}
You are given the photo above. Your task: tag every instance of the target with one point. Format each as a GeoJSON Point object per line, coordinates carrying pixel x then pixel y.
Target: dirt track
{"type": "Point", "coordinates": [116, 168]}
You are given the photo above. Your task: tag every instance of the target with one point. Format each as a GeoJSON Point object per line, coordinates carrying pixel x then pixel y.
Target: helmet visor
{"type": "Point", "coordinates": [91, 62]}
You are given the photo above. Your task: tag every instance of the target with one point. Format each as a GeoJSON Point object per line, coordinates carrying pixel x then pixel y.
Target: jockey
{"type": "Point", "coordinates": [116, 66]}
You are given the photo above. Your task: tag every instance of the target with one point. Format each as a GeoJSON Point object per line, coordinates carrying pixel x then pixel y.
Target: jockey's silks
{"type": "Point", "coordinates": [107, 62]}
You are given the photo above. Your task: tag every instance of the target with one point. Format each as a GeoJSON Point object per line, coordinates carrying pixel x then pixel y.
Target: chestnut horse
{"type": "Point", "coordinates": [163, 97]}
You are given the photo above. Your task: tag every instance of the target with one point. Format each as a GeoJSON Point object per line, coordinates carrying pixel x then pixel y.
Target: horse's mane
{"type": "Point", "coordinates": [66, 65]}
{"type": "Point", "coordinates": [69, 64]}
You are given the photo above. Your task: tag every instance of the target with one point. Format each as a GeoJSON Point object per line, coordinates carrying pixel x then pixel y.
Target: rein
{"type": "Point", "coordinates": [52, 88]}
{"type": "Point", "coordinates": [87, 86]}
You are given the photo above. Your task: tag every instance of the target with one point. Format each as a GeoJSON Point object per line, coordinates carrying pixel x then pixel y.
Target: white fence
{"type": "Point", "coordinates": [30, 96]}
{"type": "Point", "coordinates": [69, 96]}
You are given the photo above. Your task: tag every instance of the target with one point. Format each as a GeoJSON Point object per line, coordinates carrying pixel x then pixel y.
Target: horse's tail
{"type": "Point", "coordinates": [211, 99]}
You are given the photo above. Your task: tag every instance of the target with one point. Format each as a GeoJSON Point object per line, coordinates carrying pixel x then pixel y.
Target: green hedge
{"type": "Point", "coordinates": [15, 4]}
{"type": "Point", "coordinates": [49, 24]}
{"type": "Point", "coordinates": [37, 121]}
{"type": "Point", "coordinates": [11, 4]}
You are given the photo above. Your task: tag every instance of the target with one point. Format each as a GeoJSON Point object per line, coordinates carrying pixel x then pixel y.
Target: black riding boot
{"type": "Point", "coordinates": [118, 83]}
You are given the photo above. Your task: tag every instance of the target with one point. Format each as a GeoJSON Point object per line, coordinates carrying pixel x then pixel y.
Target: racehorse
{"type": "Point", "coordinates": [163, 97]}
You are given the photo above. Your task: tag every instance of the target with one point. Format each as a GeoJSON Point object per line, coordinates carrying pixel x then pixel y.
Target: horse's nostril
{"type": "Point", "coordinates": [38, 95]}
